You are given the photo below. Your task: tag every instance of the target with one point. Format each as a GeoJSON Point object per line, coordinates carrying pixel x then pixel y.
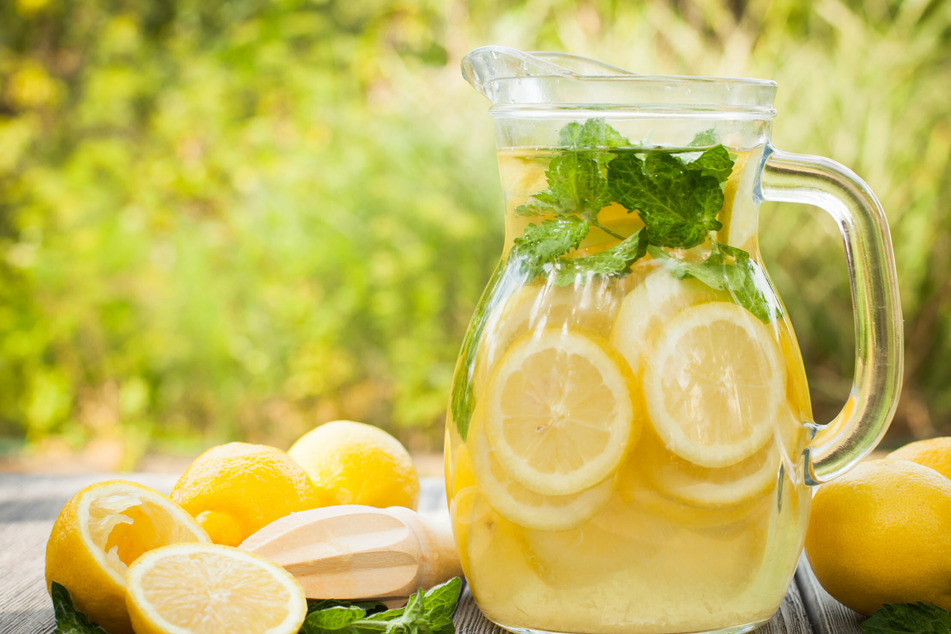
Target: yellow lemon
{"type": "Point", "coordinates": [522, 505]}
{"type": "Point", "coordinates": [715, 384]}
{"type": "Point", "coordinates": [208, 589]}
{"type": "Point", "coordinates": [356, 463]}
{"type": "Point", "coordinates": [933, 452]}
{"type": "Point", "coordinates": [102, 530]}
{"type": "Point", "coordinates": [647, 309]}
{"type": "Point", "coordinates": [560, 413]}
{"type": "Point", "coordinates": [234, 490]}
{"type": "Point", "coordinates": [879, 534]}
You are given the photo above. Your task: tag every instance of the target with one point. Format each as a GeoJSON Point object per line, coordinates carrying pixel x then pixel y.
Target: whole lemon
{"type": "Point", "coordinates": [356, 463]}
{"type": "Point", "coordinates": [234, 490]}
{"type": "Point", "coordinates": [99, 533]}
{"type": "Point", "coordinates": [882, 534]}
{"type": "Point", "coordinates": [933, 452]}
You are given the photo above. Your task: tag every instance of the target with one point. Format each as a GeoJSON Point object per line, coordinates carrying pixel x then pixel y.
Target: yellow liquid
{"type": "Point", "coordinates": [662, 544]}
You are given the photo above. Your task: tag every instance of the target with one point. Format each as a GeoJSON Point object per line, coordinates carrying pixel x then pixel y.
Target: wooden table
{"type": "Point", "coordinates": [30, 503]}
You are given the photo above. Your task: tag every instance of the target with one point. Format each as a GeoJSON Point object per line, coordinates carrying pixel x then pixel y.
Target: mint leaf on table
{"type": "Point", "coordinates": [677, 203]}
{"type": "Point", "coordinates": [69, 620]}
{"type": "Point", "coordinates": [908, 618]}
{"type": "Point", "coordinates": [424, 613]}
{"type": "Point", "coordinates": [726, 269]}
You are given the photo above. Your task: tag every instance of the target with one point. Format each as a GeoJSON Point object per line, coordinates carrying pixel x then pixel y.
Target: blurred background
{"type": "Point", "coordinates": [236, 220]}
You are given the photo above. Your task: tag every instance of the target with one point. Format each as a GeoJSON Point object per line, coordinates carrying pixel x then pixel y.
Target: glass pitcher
{"type": "Point", "coordinates": [630, 444]}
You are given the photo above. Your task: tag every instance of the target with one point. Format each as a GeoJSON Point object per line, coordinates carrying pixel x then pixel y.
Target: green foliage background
{"type": "Point", "coordinates": [225, 220]}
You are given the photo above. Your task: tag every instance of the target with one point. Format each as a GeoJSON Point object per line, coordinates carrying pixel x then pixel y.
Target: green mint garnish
{"type": "Point", "coordinates": [908, 618]}
{"type": "Point", "coordinates": [678, 203]}
{"type": "Point", "coordinates": [69, 620]}
{"type": "Point", "coordinates": [424, 613]}
{"type": "Point", "coordinates": [542, 243]}
{"type": "Point", "coordinates": [575, 186]}
{"type": "Point", "coordinates": [726, 269]}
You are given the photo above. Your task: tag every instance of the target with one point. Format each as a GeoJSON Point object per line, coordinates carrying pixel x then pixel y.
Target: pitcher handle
{"type": "Point", "coordinates": [860, 425]}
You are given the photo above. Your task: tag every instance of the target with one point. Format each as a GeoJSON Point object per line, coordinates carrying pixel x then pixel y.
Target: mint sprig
{"type": "Point", "coordinates": [424, 613]}
{"type": "Point", "coordinates": [677, 201]}
{"type": "Point", "coordinates": [908, 618]}
{"type": "Point", "coordinates": [69, 620]}
{"type": "Point", "coordinates": [726, 269]}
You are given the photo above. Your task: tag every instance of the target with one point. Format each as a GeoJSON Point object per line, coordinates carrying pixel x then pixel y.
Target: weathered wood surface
{"type": "Point", "coordinates": [29, 505]}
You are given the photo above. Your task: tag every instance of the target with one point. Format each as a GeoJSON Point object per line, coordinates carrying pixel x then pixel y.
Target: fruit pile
{"type": "Point", "coordinates": [881, 534]}
{"type": "Point", "coordinates": [133, 559]}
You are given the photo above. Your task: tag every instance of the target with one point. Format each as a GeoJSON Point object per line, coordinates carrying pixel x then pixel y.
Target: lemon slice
{"type": "Point", "coordinates": [707, 486]}
{"type": "Point", "coordinates": [103, 529]}
{"type": "Point", "coordinates": [590, 307]}
{"type": "Point", "coordinates": [523, 506]}
{"type": "Point", "coordinates": [559, 412]}
{"type": "Point", "coordinates": [208, 589]}
{"type": "Point", "coordinates": [648, 307]}
{"type": "Point", "coordinates": [714, 385]}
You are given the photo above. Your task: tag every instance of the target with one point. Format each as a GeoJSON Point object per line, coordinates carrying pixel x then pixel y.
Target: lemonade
{"type": "Point", "coordinates": [628, 419]}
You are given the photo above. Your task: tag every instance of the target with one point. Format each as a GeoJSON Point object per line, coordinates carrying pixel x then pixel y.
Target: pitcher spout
{"type": "Point", "coordinates": [484, 66]}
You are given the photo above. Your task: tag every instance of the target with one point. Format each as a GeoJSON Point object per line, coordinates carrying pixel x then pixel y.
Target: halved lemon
{"type": "Point", "coordinates": [521, 505]}
{"type": "Point", "coordinates": [714, 384]}
{"type": "Point", "coordinates": [648, 307]}
{"type": "Point", "coordinates": [210, 588]}
{"type": "Point", "coordinates": [559, 412]}
{"type": "Point", "coordinates": [103, 529]}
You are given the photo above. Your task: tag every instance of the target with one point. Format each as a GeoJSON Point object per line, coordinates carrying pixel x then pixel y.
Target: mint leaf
{"type": "Point", "coordinates": [615, 261]}
{"type": "Point", "coordinates": [679, 205]}
{"type": "Point", "coordinates": [593, 133]}
{"type": "Point", "coordinates": [715, 162]}
{"type": "Point", "coordinates": [542, 243]}
{"type": "Point", "coordinates": [908, 618]}
{"type": "Point", "coordinates": [333, 619]}
{"type": "Point", "coordinates": [424, 613]}
{"type": "Point", "coordinates": [69, 620]}
{"type": "Point", "coordinates": [704, 139]}
{"type": "Point", "coordinates": [727, 269]}
{"type": "Point", "coordinates": [575, 186]}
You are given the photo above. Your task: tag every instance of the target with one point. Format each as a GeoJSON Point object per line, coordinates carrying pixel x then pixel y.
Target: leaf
{"type": "Point", "coordinates": [908, 618]}
{"type": "Point", "coordinates": [678, 205]}
{"type": "Point", "coordinates": [615, 261]}
{"type": "Point", "coordinates": [544, 242]}
{"type": "Point", "coordinates": [704, 139]}
{"type": "Point", "coordinates": [727, 269]}
{"type": "Point", "coordinates": [69, 620]}
{"type": "Point", "coordinates": [715, 162]}
{"type": "Point", "coordinates": [333, 619]}
{"type": "Point", "coordinates": [593, 133]}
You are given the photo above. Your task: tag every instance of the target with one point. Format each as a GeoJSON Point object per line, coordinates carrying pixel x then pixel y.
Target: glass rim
{"type": "Point", "coordinates": [516, 81]}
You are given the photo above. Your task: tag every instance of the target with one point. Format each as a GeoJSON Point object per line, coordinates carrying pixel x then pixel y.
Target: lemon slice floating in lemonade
{"type": "Point", "coordinates": [647, 308]}
{"type": "Point", "coordinates": [559, 411]}
{"type": "Point", "coordinates": [714, 384]}
{"type": "Point", "coordinates": [523, 506]}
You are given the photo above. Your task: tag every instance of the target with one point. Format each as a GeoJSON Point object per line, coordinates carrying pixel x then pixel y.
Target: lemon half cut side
{"type": "Point", "coordinates": [211, 588]}
{"type": "Point", "coordinates": [560, 414]}
{"type": "Point", "coordinates": [100, 532]}
{"type": "Point", "coordinates": [715, 384]}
